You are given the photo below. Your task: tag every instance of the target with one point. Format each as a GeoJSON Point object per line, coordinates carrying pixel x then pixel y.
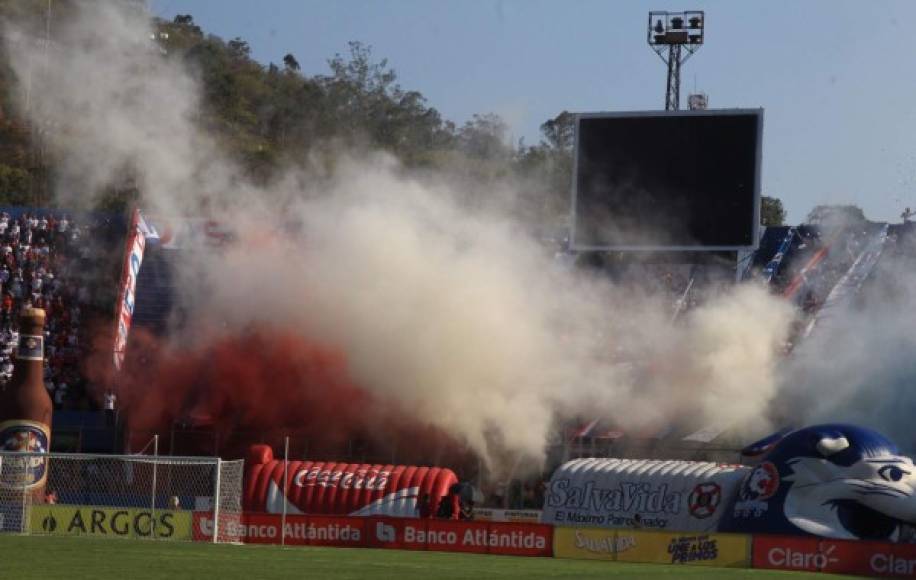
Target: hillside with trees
{"type": "Point", "coordinates": [269, 117]}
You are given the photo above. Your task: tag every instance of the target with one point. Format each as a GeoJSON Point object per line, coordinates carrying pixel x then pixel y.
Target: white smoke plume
{"type": "Point", "coordinates": [863, 369]}
{"type": "Point", "coordinates": [111, 103]}
{"type": "Point", "coordinates": [456, 314]}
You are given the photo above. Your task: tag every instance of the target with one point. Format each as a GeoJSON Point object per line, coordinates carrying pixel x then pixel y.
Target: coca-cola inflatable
{"type": "Point", "coordinates": [357, 489]}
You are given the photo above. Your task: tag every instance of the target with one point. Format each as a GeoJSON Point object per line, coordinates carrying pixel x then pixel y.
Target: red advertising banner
{"type": "Point", "coordinates": [325, 530]}
{"type": "Point", "coordinates": [451, 536]}
{"type": "Point", "coordinates": [513, 539]}
{"type": "Point", "coordinates": [395, 533]}
{"type": "Point", "coordinates": [504, 538]}
{"type": "Point", "coordinates": [456, 536]}
{"type": "Point", "coordinates": [837, 556]}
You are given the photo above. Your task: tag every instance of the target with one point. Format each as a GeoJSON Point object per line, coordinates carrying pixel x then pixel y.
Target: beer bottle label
{"type": "Point", "coordinates": [31, 347]}
{"type": "Point", "coordinates": [18, 436]}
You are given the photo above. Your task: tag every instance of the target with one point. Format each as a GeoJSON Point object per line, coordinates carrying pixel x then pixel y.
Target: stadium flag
{"type": "Point", "coordinates": [610, 434]}
{"type": "Point", "coordinates": [851, 282]}
{"type": "Point", "coordinates": [585, 430]}
{"type": "Point", "coordinates": [133, 257]}
{"type": "Point", "coordinates": [682, 301]}
{"type": "Point", "coordinates": [769, 271]}
{"type": "Point", "coordinates": [766, 444]}
{"type": "Point", "coordinates": [801, 279]}
{"type": "Point", "coordinates": [147, 229]}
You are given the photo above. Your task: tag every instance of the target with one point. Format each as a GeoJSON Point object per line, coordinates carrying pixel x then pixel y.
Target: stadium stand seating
{"type": "Point", "coordinates": [38, 253]}
{"type": "Point", "coordinates": [59, 261]}
{"type": "Point", "coordinates": [821, 263]}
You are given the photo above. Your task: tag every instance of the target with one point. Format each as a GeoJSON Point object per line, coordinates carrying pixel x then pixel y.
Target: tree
{"type": "Point", "coordinates": [560, 132]}
{"type": "Point", "coordinates": [185, 22]}
{"type": "Point", "coordinates": [14, 185]}
{"type": "Point", "coordinates": [836, 214]}
{"type": "Point", "coordinates": [484, 137]}
{"type": "Point", "coordinates": [366, 104]}
{"type": "Point", "coordinates": [290, 62]}
{"type": "Point", "coordinates": [239, 48]}
{"type": "Point", "coordinates": [771, 211]}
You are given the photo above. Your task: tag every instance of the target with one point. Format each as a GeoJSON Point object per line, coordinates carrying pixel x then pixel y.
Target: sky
{"type": "Point", "coordinates": [835, 78]}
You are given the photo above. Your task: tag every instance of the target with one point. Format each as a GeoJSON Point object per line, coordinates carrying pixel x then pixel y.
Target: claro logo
{"type": "Point", "coordinates": [889, 564]}
{"type": "Point", "coordinates": [789, 558]}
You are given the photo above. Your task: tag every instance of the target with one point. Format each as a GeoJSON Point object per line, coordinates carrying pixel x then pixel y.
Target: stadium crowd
{"type": "Point", "coordinates": [38, 268]}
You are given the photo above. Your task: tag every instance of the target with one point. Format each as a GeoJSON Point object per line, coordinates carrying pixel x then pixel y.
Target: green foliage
{"type": "Point", "coordinates": [836, 214]}
{"type": "Point", "coordinates": [548, 168]}
{"type": "Point", "coordinates": [560, 132]}
{"type": "Point", "coordinates": [271, 117]}
{"type": "Point", "coordinates": [290, 63]}
{"type": "Point", "coordinates": [15, 184]}
{"type": "Point", "coordinates": [771, 211]}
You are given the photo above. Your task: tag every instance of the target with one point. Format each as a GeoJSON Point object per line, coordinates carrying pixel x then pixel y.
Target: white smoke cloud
{"type": "Point", "coordinates": [862, 370]}
{"type": "Point", "coordinates": [454, 313]}
{"type": "Point", "coordinates": [110, 102]}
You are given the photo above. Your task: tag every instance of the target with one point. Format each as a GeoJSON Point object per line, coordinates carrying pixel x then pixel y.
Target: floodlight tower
{"type": "Point", "coordinates": [675, 36]}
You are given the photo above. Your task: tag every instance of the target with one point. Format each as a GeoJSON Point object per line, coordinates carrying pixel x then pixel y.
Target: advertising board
{"type": "Point", "coordinates": [837, 556]}
{"type": "Point", "coordinates": [585, 543]}
{"type": "Point", "coordinates": [640, 493]}
{"type": "Point", "coordinates": [299, 530]}
{"type": "Point", "coordinates": [722, 550]}
{"type": "Point", "coordinates": [505, 538]}
{"type": "Point", "coordinates": [500, 515]}
{"type": "Point", "coordinates": [76, 520]}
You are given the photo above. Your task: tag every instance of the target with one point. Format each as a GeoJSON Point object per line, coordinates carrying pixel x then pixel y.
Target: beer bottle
{"type": "Point", "coordinates": [25, 409]}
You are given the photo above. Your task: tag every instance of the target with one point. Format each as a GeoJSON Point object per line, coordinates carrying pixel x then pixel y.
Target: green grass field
{"type": "Point", "coordinates": [44, 558]}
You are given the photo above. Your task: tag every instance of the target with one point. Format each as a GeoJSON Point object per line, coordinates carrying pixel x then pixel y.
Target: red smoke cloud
{"type": "Point", "coordinates": [262, 385]}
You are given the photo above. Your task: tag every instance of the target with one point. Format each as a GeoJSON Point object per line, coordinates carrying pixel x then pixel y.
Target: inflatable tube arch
{"type": "Point", "coordinates": [359, 489]}
{"type": "Point", "coordinates": [686, 496]}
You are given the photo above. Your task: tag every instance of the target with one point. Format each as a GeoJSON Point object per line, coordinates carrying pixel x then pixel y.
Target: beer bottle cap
{"type": "Point", "coordinates": [31, 320]}
{"type": "Point", "coordinates": [33, 313]}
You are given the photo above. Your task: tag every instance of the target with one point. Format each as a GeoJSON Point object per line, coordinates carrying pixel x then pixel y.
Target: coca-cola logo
{"type": "Point", "coordinates": [361, 479]}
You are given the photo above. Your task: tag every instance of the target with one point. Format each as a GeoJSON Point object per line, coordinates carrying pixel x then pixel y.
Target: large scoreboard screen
{"type": "Point", "coordinates": [673, 180]}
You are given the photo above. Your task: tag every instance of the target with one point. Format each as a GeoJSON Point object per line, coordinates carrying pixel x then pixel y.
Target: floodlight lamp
{"type": "Point", "coordinates": [696, 22]}
{"type": "Point", "coordinates": [677, 23]}
{"type": "Point", "coordinates": [659, 27]}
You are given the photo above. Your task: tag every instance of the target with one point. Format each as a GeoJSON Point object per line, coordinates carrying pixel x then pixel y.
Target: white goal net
{"type": "Point", "coordinates": [121, 496]}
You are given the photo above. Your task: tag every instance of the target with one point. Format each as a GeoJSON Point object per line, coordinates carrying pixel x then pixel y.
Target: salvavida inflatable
{"type": "Point", "coordinates": [834, 481]}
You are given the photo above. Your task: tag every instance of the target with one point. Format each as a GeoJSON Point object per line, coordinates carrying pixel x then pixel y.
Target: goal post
{"type": "Point", "coordinates": [127, 496]}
